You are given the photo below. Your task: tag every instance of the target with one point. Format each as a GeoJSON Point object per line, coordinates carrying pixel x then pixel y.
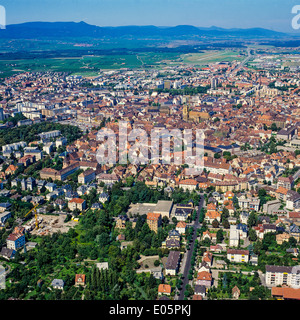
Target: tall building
{"type": "Point", "coordinates": [213, 83]}
{"type": "Point", "coordinates": [154, 221]}
{"type": "Point", "coordinates": [185, 113]}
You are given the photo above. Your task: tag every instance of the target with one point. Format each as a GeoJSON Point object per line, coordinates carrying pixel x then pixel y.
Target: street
{"type": "Point", "coordinates": [186, 263]}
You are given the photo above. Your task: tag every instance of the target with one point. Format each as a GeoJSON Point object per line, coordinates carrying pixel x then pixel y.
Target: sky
{"type": "Point", "coordinates": [270, 14]}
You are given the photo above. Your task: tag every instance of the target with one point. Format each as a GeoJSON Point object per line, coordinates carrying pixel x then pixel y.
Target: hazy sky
{"type": "Point", "coordinates": [271, 14]}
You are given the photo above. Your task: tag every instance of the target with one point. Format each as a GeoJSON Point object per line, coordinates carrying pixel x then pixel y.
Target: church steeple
{"type": "Point", "coordinates": [185, 112]}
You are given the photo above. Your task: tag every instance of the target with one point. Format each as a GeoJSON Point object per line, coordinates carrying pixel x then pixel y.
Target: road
{"type": "Point", "coordinates": [189, 253]}
{"type": "Point", "coordinates": [243, 62]}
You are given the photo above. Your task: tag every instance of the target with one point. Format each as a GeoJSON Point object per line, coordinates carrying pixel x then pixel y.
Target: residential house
{"type": "Point", "coordinates": [80, 280]}
{"type": "Point", "coordinates": [77, 203]}
{"type": "Point", "coordinates": [181, 227]}
{"type": "Point", "coordinates": [164, 289]}
{"type": "Point", "coordinates": [235, 293]}
{"type": "Point", "coordinates": [172, 264]}
{"type": "Point", "coordinates": [121, 221]}
{"type": "Point", "coordinates": [200, 290]}
{"type": "Point", "coordinates": [204, 278]}
{"type": "Point", "coordinates": [58, 284]}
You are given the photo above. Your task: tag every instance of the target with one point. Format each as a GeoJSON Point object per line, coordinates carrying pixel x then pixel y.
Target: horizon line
{"type": "Point", "coordinates": [147, 25]}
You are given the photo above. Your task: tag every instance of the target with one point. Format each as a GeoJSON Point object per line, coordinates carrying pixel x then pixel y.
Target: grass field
{"type": "Point", "coordinates": [210, 57]}
{"type": "Point", "coordinates": [90, 65]}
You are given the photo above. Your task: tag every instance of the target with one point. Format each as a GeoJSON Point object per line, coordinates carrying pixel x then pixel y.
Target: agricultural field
{"type": "Point", "coordinates": [86, 65]}
{"type": "Point", "coordinates": [90, 65]}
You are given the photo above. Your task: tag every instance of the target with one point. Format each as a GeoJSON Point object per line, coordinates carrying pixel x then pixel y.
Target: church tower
{"type": "Point", "coordinates": [185, 113]}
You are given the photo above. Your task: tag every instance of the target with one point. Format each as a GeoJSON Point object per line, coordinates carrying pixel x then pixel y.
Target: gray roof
{"type": "Point", "coordinates": [173, 260]}
{"type": "Point", "coordinates": [280, 269]}
{"type": "Point", "coordinates": [58, 282]}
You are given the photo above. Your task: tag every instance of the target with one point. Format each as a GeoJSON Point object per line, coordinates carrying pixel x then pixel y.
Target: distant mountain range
{"type": "Point", "coordinates": [32, 30]}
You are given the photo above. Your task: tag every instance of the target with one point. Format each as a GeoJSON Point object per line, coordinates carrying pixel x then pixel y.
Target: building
{"type": "Point", "coordinates": [163, 207]}
{"type": "Point", "coordinates": [200, 290]}
{"type": "Point", "coordinates": [164, 289]}
{"type": "Point", "coordinates": [15, 240]}
{"type": "Point", "coordinates": [204, 278]}
{"type": "Point", "coordinates": [234, 236]}
{"type": "Point", "coordinates": [121, 221]}
{"type": "Point", "coordinates": [285, 293]}
{"type": "Point", "coordinates": [235, 292]}
{"type": "Point", "coordinates": [238, 256]}
{"type": "Point", "coordinates": [49, 134]}
{"type": "Point", "coordinates": [3, 217]}
{"type": "Point", "coordinates": [77, 203]}
{"type": "Point", "coordinates": [188, 184]}
{"type": "Point", "coordinates": [181, 227]}
{"type": "Point", "coordinates": [58, 284]}
{"type": "Point", "coordinates": [181, 214]}
{"type": "Point", "coordinates": [278, 275]}
{"type": "Point", "coordinates": [87, 176]}
{"type": "Point", "coordinates": [103, 197]}
{"type": "Point", "coordinates": [154, 221]}
{"type": "Point", "coordinates": [80, 280]}
{"type": "Point", "coordinates": [172, 264]}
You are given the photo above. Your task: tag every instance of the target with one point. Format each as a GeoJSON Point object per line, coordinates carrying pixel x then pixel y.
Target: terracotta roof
{"type": "Point", "coordinates": [153, 216]}
{"type": "Point", "coordinates": [286, 293]}
{"type": "Point", "coordinates": [204, 275]}
{"type": "Point", "coordinates": [77, 200]}
{"type": "Point", "coordinates": [164, 288]}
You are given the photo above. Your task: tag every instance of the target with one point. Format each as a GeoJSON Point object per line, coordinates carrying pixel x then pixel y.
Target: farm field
{"type": "Point", "coordinates": [90, 65]}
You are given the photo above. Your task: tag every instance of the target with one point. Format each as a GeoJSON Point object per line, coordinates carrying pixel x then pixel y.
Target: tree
{"type": "Point", "coordinates": [215, 223]}
{"type": "Point", "coordinates": [252, 220]}
{"type": "Point", "coordinates": [220, 236]}
{"type": "Point", "coordinates": [252, 235]}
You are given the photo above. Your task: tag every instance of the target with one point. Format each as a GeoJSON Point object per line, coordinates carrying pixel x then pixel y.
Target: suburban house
{"type": "Point", "coordinates": [200, 290]}
{"type": "Point", "coordinates": [77, 203]}
{"type": "Point", "coordinates": [80, 280]}
{"type": "Point", "coordinates": [58, 284]}
{"type": "Point", "coordinates": [181, 227]}
{"type": "Point", "coordinates": [164, 289]}
{"type": "Point", "coordinates": [121, 221]}
{"type": "Point", "coordinates": [204, 278]}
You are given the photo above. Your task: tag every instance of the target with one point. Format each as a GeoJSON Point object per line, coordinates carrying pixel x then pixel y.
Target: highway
{"type": "Point", "coordinates": [189, 253]}
{"type": "Point", "coordinates": [242, 63]}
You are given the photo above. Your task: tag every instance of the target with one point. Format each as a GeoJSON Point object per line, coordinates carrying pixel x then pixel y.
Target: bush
{"type": "Point", "coordinates": [156, 263]}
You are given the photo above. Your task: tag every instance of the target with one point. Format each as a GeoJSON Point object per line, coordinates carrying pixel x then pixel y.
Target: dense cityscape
{"type": "Point", "coordinates": [76, 229]}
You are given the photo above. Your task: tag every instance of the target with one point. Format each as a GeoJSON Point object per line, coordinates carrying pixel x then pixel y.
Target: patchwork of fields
{"type": "Point", "coordinates": [90, 65]}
